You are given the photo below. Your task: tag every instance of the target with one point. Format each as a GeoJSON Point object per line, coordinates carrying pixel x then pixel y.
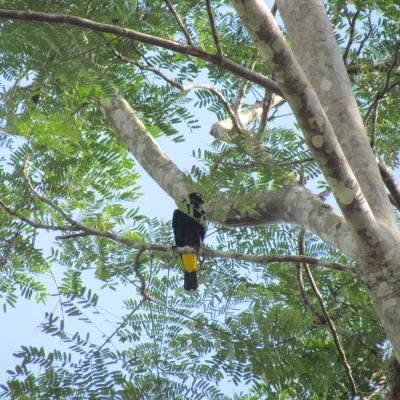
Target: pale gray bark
{"type": "Point", "coordinates": [221, 129]}
{"type": "Point", "coordinates": [329, 118]}
{"type": "Point", "coordinates": [144, 148]}
{"type": "Point", "coordinates": [317, 129]}
{"type": "Point", "coordinates": [315, 47]}
{"type": "Point", "coordinates": [295, 204]}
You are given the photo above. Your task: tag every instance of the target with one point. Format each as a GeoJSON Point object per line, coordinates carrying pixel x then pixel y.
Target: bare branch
{"type": "Point", "coordinates": [274, 9]}
{"type": "Point", "coordinates": [143, 291]}
{"type": "Point", "coordinates": [352, 23]}
{"type": "Point", "coordinates": [221, 129]}
{"type": "Point", "coordinates": [236, 105]}
{"type": "Point", "coordinates": [213, 27]}
{"type": "Point", "coordinates": [310, 37]}
{"type": "Point", "coordinates": [180, 22]}
{"type": "Point", "coordinates": [324, 318]}
{"type": "Point", "coordinates": [365, 38]}
{"type": "Point", "coordinates": [236, 123]}
{"type": "Point", "coordinates": [332, 328]}
{"type": "Point", "coordinates": [35, 224]}
{"type": "Point", "coordinates": [44, 199]}
{"type": "Point", "coordinates": [187, 49]}
{"type": "Point", "coordinates": [388, 87]}
{"type": "Point", "coordinates": [390, 182]}
{"type": "Point", "coordinates": [367, 66]}
{"type": "Point", "coordinates": [120, 326]}
{"type": "Point", "coordinates": [264, 164]}
{"type": "Point", "coordinates": [267, 103]}
{"type": "Point", "coordinates": [185, 88]}
{"type": "Point", "coordinates": [299, 279]}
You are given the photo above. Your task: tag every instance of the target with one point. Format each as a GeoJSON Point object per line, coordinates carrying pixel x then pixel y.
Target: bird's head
{"type": "Point", "coordinates": [195, 199]}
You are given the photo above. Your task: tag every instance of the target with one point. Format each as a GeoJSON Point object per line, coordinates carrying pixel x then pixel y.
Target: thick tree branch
{"type": "Point", "coordinates": [316, 49]}
{"type": "Point", "coordinates": [294, 205]}
{"type": "Point", "coordinates": [318, 131]}
{"type": "Point", "coordinates": [390, 182]}
{"type": "Point", "coordinates": [187, 49]}
{"type": "Point", "coordinates": [145, 149]}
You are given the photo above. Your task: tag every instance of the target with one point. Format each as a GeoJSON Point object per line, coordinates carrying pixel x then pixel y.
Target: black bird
{"type": "Point", "coordinates": [189, 226]}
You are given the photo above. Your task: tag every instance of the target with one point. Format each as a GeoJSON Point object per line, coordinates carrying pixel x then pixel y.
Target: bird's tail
{"type": "Point", "coordinates": [190, 265]}
{"type": "Point", "coordinates": [190, 281]}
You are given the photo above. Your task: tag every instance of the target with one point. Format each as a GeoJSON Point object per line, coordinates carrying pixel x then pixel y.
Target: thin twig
{"type": "Point", "coordinates": [10, 245]}
{"type": "Point", "coordinates": [372, 126]}
{"type": "Point", "coordinates": [388, 87]}
{"type": "Point", "coordinates": [235, 121]}
{"type": "Point", "coordinates": [143, 291]}
{"type": "Point", "coordinates": [213, 27]}
{"type": "Point", "coordinates": [267, 102]}
{"type": "Point", "coordinates": [180, 23]}
{"type": "Point", "coordinates": [42, 198]}
{"type": "Point", "coordinates": [328, 321]}
{"type": "Point", "coordinates": [35, 224]}
{"type": "Point", "coordinates": [365, 38]}
{"type": "Point", "coordinates": [299, 279]}
{"type": "Point", "coordinates": [352, 23]}
{"type": "Point", "coordinates": [121, 325]}
{"type": "Point", "coordinates": [236, 105]}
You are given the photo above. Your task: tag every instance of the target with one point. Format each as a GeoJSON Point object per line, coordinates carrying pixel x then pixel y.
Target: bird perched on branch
{"type": "Point", "coordinates": [189, 226]}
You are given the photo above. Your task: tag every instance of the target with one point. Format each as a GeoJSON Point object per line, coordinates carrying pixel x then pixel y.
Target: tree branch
{"type": "Point", "coordinates": [311, 35]}
{"type": "Point", "coordinates": [180, 23]}
{"type": "Point", "coordinates": [206, 253]}
{"type": "Point", "coordinates": [299, 279]}
{"type": "Point", "coordinates": [390, 182]}
{"type": "Point", "coordinates": [324, 318]}
{"type": "Point", "coordinates": [388, 87]}
{"type": "Point", "coordinates": [294, 204]}
{"type": "Point", "coordinates": [318, 131]}
{"type": "Point", "coordinates": [44, 199]}
{"type": "Point", "coordinates": [143, 290]}
{"type": "Point", "coordinates": [213, 27]}
{"type": "Point", "coordinates": [221, 129]}
{"type": "Point", "coordinates": [352, 23]}
{"type": "Point", "coordinates": [145, 149]}
{"type": "Point", "coordinates": [184, 88]}
{"type": "Point", "coordinates": [335, 336]}
{"type": "Point", "coordinates": [187, 49]}
{"type": "Point", "coordinates": [35, 224]}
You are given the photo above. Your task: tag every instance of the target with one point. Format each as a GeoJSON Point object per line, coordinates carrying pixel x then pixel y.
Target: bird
{"type": "Point", "coordinates": [189, 225]}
